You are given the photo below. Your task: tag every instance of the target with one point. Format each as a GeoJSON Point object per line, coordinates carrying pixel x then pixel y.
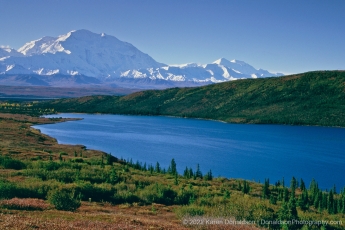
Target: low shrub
{"type": "Point", "coordinates": [64, 199]}
{"type": "Point", "coordinates": [157, 193]}
{"type": "Point", "coordinates": [190, 210]}
{"type": "Point", "coordinates": [9, 163]}
{"type": "Point", "coordinates": [7, 190]}
{"type": "Point", "coordinates": [24, 204]}
{"type": "Point", "coordinates": [122, 197]}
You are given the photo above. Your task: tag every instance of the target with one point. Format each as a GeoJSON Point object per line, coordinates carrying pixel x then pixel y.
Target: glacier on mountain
{"type": "Point", "coordinates": [81, 52]}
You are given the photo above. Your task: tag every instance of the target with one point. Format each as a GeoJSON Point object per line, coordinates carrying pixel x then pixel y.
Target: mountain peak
{"type": "Point", "coordinates": [84, 52]}
{"type": "Point", "coordinates": [226, 62]}
{"type": "Point", "coordinates": [238, 62]}
{"type": "Point", "coordinates": [221, 61]}
{"type": "Point", "coordinates": [110, 59]}
{"type": "Point", "coordinates": [9, 52]}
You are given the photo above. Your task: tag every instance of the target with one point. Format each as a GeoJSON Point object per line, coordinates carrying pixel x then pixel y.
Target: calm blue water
{"type": "Point", "coordinates": [252, 152]}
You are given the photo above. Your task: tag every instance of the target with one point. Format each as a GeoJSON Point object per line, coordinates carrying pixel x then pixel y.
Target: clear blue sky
{"type": "Point", "coordinates": [289, 36]}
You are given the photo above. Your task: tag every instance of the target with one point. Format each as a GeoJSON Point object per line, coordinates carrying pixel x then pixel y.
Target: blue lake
{"type": "Point", "coordinates": [252, 152]}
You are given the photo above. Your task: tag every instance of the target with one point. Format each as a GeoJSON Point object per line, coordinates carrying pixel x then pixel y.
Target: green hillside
{"type": "Point", "coordinates": [312, 98]}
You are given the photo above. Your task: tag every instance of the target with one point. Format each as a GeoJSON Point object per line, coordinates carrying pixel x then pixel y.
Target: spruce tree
{"type": "Point", "coordinates": [246, 187]}
{"type": "Point", "coordinates": [239, 186]}
{"type": "Point", "coordinates": [330, 202]}
{"type": "Point", "coordinates": [288, 212]}
{"type": "Point", "coordinates": [303, 201]}
{"type": "Point", "coordinates": [113, 178]}
{"type": "Point", "coordinates": [198, 173]}
{"type": "Point", "coordinates": [191, 173]}
{"type": "Point", "coordinates": [186, 173]}
{"type": "Point", "coordinates": [302, 185]}
{"type": "Point", "coordinates": [285, 194]}
{"type": "Point", "coordinates": [173, 167]}
{"type": "Point", "coordinates": [209, 175]}
{"type": "Point", "coordinates": [293, 186]}
{"type": "Point", "coordinates": [176, 179]}
{"type": "Point", "coordinates": [158, 168]}
{"type": "Point", "coordinates": [109, 159]}
{"type": "Point", "coordinates": [265, 189]}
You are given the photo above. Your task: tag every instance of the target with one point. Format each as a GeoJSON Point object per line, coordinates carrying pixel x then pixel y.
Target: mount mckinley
{"type": "Point", "coordinates": [83, 58]}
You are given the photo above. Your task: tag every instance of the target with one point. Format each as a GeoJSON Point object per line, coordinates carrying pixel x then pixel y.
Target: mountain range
{"type": "Point", "coordinates": [82, 58]}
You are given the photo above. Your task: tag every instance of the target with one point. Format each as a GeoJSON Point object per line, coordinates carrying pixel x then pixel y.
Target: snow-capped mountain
{"type": "Point", "coordinates": [218, 71]}
{"type": "Point", "coordinates": [80, 52]}
{"type": "Point", "coordinates": [8, 52]}
{"type": "Point", "coordinates": [113, 62]}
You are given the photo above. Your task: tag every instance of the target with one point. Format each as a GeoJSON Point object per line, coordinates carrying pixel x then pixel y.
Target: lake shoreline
{"type": "Point", "coordinates": [122, 150]}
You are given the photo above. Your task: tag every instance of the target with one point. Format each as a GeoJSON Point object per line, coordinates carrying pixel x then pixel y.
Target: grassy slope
{"type": "Point", "coordinates": [136, 188]}
{"type": "Point", "coordinates": [19, 141]}
{"type": "Point", "coordinates": [313, 98]}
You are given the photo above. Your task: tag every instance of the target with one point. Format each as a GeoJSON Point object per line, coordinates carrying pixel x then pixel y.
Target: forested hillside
{"type": "Point", "coordinates": [313, 98]}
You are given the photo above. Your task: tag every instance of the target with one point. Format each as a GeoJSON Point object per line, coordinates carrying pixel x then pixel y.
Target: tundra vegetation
{"type": "Point", "coordinates": [44, 184]}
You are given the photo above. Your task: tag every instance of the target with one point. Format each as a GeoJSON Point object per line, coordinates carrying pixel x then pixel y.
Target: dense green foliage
{"type": "Point", "coordinates": [9, 163]}
{"type": "Point", "coordinates": [65, 183]}
{"type": "Point", "coordinates": [313, 98]}
{"type": "Point", "coordinates": [26, 107]}
{"type": "Point", "coordinates": [63, 199]}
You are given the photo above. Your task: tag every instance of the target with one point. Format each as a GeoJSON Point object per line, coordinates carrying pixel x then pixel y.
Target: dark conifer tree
{"type": "Point", "coordinates": [302, 185]}
{"type": "Point", "coordinates": [265, 189]}
{"type": "Point", "coordinates": [158, 168]}
{"type": "Point", "coordinates": [186, 173]}
{"type": "Point", "coordinates": [303, 201]}
{"type": "Point", "coordinates": [293, 186]}
{"type": "Point", "coordinates": [198, 173]}
{"type": "Point", "coordinates": [324, 203]}
{"type": "Point", "coordinates": [209, 175]}
{"type": "Point", "coordinates": [246, 187]}
{"type": "Point", "coordinates": [173, 169]}
{"type": "Point", "coordinates": [191, 173]}
{"type": "Point", "coordinates": [285, 194]}
{"type": "Point", "coordinates": [239, 186]}
{"type": "Point", "coordinates": [109, 159]}
{"type": "Point", "coordinates": [151, 169]}
{"type": "Point", "coordinates": [330, 202]}
{"type": "Point", "coordinates": [113, 178]}
{"type": "Point", "coordinates": [176, 179]}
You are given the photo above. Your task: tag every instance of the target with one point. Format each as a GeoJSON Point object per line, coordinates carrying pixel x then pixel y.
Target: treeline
{"type": "Point", "coordinates": [188, 172]}
{"type": "Point", "coordinates": [305, 199]}
{"type": "Point", "coordinates": [313, 98]}
{"type": "Point", "coordinates": [23, 107]}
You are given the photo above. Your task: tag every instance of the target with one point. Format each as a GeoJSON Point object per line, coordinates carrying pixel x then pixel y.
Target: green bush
{"type": "Point", "coordinates": [190, 210]}
{"type": "Point", "coordinates": [64, 199]}
{"type": "Point", "coordinates": [51, 165]}
{"type": "Point", "coordinates": [7, 190]}
{"type": "Point", "coordinates": [9, 163]}
{"type": "Point", "coordinates": [184, 196]}
{"type": "Point", "coordinates": [121, 197]}
{"type": "Point", "coordinates": [158, 193]}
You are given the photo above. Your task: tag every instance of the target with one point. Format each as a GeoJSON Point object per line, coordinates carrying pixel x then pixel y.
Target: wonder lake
{"type": "Point", "coordinates": [252, 152]}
